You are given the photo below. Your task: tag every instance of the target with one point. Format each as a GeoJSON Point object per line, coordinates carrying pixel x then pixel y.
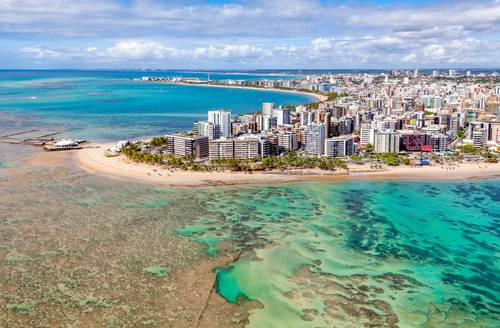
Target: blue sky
{"type": "Point", "coordinates": [240, 34]}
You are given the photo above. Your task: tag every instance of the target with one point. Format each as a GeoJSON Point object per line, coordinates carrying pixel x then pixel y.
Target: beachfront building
{"type": "Point", "coordinates": [412, 140]}
{"type": "Point", "coordinates": [479, 137]}
{"type": "Point", "coordinates": [246, 148]}
{"type": "Point", "coordinates": [339, 146]}
{"type": "Point", "coordinates": [221, 120]}
{"type": "Point", "coordinates": [366, 134]}
{"type": "Point", "coordinates": [287, 141]}
{"type": "Point", "coordinates": [221, 148]}
{"type": "Point", "coordinates": [315, 144]}
{"type": "Point", "coordinates": [187, 145]}
{"type": "Point", "coordinates": [386, 142]}
{"type": "Point", "coordinates": [240, 148]}
{"type": "Point", "coordinates": [437, 141]}
{"type": "Point", "coordinates": [207, 129]}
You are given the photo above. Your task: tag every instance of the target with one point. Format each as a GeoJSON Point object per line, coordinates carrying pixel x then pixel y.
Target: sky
{"type": "Point", "coordinates": [266, 34]}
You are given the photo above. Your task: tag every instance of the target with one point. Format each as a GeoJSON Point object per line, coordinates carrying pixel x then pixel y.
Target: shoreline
{"type": "Point", "coordinates": [318, 97]}
{"type": "Point", "coordinates": [93, 161]}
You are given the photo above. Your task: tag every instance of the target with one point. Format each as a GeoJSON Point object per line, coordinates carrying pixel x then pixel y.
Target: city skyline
{"type": "Point", "coordinates": [249, 34]}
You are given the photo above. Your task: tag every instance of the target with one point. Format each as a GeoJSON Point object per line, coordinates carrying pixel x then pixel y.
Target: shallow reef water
{"type": "Point", "coordinates": [407, 254]}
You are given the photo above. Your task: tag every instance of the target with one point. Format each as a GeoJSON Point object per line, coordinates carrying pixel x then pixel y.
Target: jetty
{"type": "Point", "coordinates": [30, 137]}
{"type": "Point", "coordinates": [42, 138]}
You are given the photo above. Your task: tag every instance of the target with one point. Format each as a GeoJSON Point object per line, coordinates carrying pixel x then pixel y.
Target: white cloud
{"type": "Point", "coordinates": [259, 32]}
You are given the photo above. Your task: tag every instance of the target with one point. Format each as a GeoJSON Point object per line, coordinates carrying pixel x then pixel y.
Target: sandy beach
{"type": "Point", "coordinates": [315, 95]}
{"type": "Point", "coordinates": [92, 160]}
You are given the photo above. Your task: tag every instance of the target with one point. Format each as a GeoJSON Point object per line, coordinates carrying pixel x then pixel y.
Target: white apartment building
{"type": "Point", "coordinates": [287, 141]}
{"type": "Point", "coordinates": [386, 142]}
{"type": "Point", "coordinates": [339, 146]}
{"type": "Point", "coordinates": [315, 139]}
{"type": "Point", "coordinates": [222, 119]}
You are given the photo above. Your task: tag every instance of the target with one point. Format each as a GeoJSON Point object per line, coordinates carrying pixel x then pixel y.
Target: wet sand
{"type": "Point", "coordinates": [92, 160]}
{"type": "Point", "coordinates": [315, 95]}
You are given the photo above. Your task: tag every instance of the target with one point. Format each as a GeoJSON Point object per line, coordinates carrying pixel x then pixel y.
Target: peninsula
{"type": "Point", "coordinates": [396, 125]}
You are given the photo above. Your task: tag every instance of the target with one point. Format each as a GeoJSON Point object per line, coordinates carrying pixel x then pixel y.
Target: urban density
{"type": "Point", "coordinates": [397, 112]}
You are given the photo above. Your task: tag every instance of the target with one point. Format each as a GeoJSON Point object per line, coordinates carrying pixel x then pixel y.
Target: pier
{"type": "Point", "coordinates": [30, 137]}
{"type": "Point", "coordinates": [61, 148]}
{"type": "Point", "coordinates": [42, 138]}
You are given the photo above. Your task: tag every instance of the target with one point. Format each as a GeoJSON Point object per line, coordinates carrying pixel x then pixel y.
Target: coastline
{"type": "Point", "coordinates": [318, 97]}
{"type": "Point", "coordinates": [93, 161]}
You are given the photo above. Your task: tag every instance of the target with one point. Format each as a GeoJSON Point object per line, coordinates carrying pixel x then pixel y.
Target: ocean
{"type": "Point", "coordinates": [411, 254]}
{"type": "Point", "coordinates": [77, 248]}
{"type": "Point", "coordinates": [108, 105]}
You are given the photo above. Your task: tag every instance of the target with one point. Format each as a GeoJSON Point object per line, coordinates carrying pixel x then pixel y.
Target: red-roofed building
{"type": "Point", "coordinates": [426, 148]}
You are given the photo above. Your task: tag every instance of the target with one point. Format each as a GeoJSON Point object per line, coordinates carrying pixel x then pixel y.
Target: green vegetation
{"type": "Point", "coordinates": [469, 149]}
{"type": "Point", "coordinates": [331, 96]}
{"type": "Point", "coordinates": [313, 105]}
{"type": "Point", "coordinates": [461, 134]}
{"type": "Point", "coordinates": [369, 148]}
{"type": "Point", "coordinates": [93, 301]}
{"type": "Point", "coordinates": [484, 152]}
{"type": "Point", "coordinates": [157, 271]}
{"type": "Point", "coordinates": [158, 141]}
{"type": "Point", "coordinates": [17, 258]}
{"type": "Point", "coordinates": [289, 160]}
{"type": "Point", "coordinates": [134, 153]}
{"type": "Point", "coordinates": [24, 307]}
{"type": "Point", "coordinates": [16, 220]}
{"type": "Point", "coordinates": [391, 159]}
{"type": "Point", "coordinates": [356, 158]}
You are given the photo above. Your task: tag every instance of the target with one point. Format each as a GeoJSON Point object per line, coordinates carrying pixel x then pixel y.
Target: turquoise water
{"type": "Point", "coordinates": [408, 254]}
{"type": "Point", "coordinates": [108, 105]}
{"type": "Point", "coordinates": [412, 254]}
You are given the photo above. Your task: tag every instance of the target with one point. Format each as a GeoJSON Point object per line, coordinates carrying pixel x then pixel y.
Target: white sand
{"type": "Point", "coordinates": [93, 161]}
{"type": "Point", "coordinates": [315, 95]}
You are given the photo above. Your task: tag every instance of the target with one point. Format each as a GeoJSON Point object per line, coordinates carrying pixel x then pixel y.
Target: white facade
{"type": "Point", "coordinates": [287, 141]}
{"type": "Point", "coordinates": [339, 147]}
{"type": "Point", "coordinates": [282, 116]}
{"type": "Point", "coordinates": [386, 142]}
{"type": "Point", "coordinates": [367, 135]}
{"type": "Point", "coordinates": [315, 139]}
{"type": "Point", "coordinates": [208, 129]}
{"type": "Point", "coordinates": [267, 109]}
{"type": "Point", "coordinates": [306, 117]}
{"type": "Point", "coordinates": [222, 119]}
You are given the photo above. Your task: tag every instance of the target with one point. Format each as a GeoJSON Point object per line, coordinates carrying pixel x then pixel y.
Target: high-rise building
{"type": "Point", "coordinates": [454, 124]}
{"type": "Point", "coordinates": [367, 134]}
{"type": "Point", "coordinates": [222, 119]}
{"type": "Point", "coordinates": [412, 140]}
{"type": "Point", "coordinates": [221, 148]}
{"type": "Point", "coordinates": [315, 138]}
{"type": "Point", "coordinates": [282, 116]}
{"type": "Point", "coordinates": [479, 137]}
{"type": "Point", "coordinates": [267, 109]}
{"type": "Point", "coordinates": [306, 117]}
{"type": "Point", "coordinates": [437, 141]}
{"type": "Point", "coordinates": [287, 141]}
{"type": "Point", "coordinates": [386, 142]}
{"type": "Point", "coordinates": [246, 148]}
{"type": "Point", "coordinates": [208, 129]}
{"type": "Point", "coordinates": [338, 146]}
{"type": "Point", "coordinates": [187, 145]}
